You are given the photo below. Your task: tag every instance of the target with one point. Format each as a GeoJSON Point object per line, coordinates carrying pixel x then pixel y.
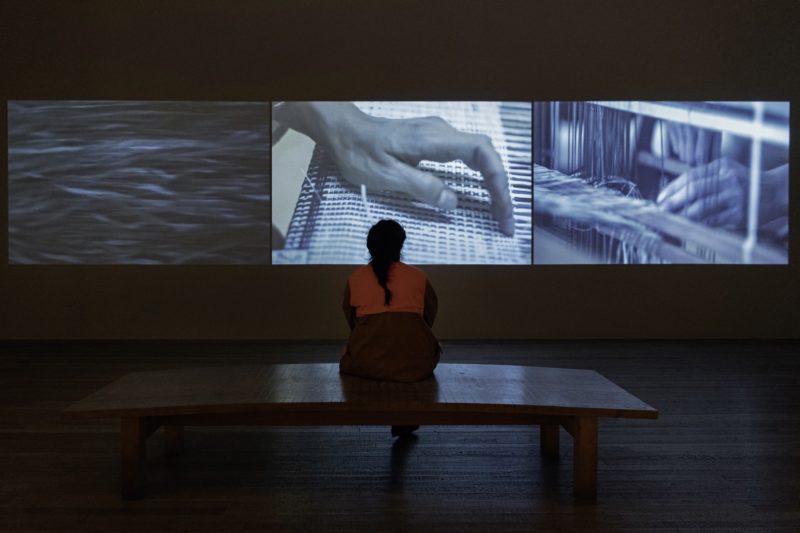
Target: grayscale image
{"type": "Point", "coordinates": [661, 182]}
{"type": "Point", "coordinates": [138, 182]}
{"type": "Point", "coordinates": [455, 175]}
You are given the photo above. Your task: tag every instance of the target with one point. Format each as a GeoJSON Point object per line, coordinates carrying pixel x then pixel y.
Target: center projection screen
{"type": "Point", "coordinates": [482, 183]}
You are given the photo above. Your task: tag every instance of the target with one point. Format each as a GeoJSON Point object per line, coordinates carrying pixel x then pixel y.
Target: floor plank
{"type": "Point", "coordinates": [724, 454]}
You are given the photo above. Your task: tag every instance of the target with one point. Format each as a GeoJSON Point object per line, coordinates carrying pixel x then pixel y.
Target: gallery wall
{"type": "Point", "coordinates": [469, 50]}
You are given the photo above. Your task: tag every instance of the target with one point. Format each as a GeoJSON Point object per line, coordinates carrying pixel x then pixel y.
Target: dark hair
{"type": "Point", "coordinates": [384, 242]}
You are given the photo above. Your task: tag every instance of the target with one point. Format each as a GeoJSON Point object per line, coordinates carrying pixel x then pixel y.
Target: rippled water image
{"type": "Point", "coordinates": [118, 182]}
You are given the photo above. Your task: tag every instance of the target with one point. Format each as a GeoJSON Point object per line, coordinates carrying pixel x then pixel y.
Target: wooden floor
{"type": "Point", "coordinates": [724, 454]}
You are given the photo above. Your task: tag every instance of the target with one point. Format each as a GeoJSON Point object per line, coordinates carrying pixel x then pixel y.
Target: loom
{"type": "Point", "coordinates": [331, 216]}
{"type": "Point", "coordinates": [599, 166]}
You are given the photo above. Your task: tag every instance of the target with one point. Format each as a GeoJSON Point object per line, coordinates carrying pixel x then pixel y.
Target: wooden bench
{"type": "Point", "coordinates": [316, 394]}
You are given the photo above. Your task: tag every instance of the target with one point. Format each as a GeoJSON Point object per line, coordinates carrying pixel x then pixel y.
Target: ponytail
{"type": "Point", "coordinates": [381, 270]}
{"type": "Point", "coordinates": [384, 242]}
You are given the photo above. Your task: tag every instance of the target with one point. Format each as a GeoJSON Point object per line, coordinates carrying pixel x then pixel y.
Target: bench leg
{"type": "Point", "coordinates": [173, 440]}
{"type": "Point", "coordinates": [585, 435]}
{"type": "Point", "coordinates": [133, 436]}
{"type": "Point", "coordinates": [548, 441]}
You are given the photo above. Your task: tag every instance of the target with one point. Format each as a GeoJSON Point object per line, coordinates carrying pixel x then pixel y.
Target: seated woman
{"type": "Point", "coordinates": [390, 307]}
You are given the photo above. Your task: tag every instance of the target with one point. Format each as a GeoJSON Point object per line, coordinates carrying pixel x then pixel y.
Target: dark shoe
{"type": "Point", "coordinates": [403, 431]}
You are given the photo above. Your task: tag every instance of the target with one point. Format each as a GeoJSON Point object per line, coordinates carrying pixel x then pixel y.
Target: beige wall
{"type": "Point", "coordinates": [302, 49]}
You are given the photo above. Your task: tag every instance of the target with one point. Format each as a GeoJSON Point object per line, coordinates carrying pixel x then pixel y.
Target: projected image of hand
{"type": "Point", "coordinates": [693, 146]}
{"type": "Point", "coordinates": [384, 153]}
{"type": "Point", "coordinates": [717, 194]}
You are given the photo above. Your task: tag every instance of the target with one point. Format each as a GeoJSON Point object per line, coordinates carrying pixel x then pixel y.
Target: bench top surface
{"type": "Point", "coordinates": [319, 388]}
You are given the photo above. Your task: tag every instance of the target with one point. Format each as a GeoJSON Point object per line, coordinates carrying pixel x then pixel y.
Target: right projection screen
{"type": "Point", "coordinates": [640, 182]}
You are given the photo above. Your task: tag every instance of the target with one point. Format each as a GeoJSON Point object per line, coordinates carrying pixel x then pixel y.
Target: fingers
{"type": "Point", "coordinates": [683, 190]}
{"type": "Point", "coordinates": [706, 180]}
{"type": "Point", "coordinates": [708, 208]}
{"type": "Point", "coordinates": [685, 149]}
{"type": "Point", "coordinates": [386, 156]}
{"type": "Point", "coordinates": [485, 159]}
{"type": "Point", "coordinates": [477, 152]}
{"type": "Point", "coordinates": [679, 138]}
{"type": "Point", "coordinates": [702, 146]}
{"type": "Point", "coordinates": [712, 194]}
{"type": "Point", "coordinates": [691, 144]}
{"type": "Point", "coordinates": [674, 138]}
{"type": "Point", "coordinates": [728, 218]}
{"type": "Point", "coordinates": [420, 185]}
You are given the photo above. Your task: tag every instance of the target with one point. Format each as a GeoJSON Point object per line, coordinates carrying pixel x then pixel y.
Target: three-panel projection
{"type": "Point", "coordinates": [480, 183]}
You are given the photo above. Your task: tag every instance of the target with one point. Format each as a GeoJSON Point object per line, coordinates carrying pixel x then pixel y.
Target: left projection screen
{"type": "Point", "coordinates": [138, 182]}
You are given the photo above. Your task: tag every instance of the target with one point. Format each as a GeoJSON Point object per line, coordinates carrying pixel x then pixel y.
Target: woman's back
{"type": "Point", "coordinates": [406, 283]}
{"type": "Point", "coordinates": [390, 307]}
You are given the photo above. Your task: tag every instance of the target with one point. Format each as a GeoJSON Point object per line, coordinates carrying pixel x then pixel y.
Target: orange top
{"type": "Point", "coordinates": [406, 282]}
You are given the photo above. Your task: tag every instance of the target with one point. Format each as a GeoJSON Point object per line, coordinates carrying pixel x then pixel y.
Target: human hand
{"type": "Point", "coordinates": [693, 145]}
{"type": "Point", "coordinates": [384, 153]}
{"type": "Point", "coordinates": [714, 194]}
